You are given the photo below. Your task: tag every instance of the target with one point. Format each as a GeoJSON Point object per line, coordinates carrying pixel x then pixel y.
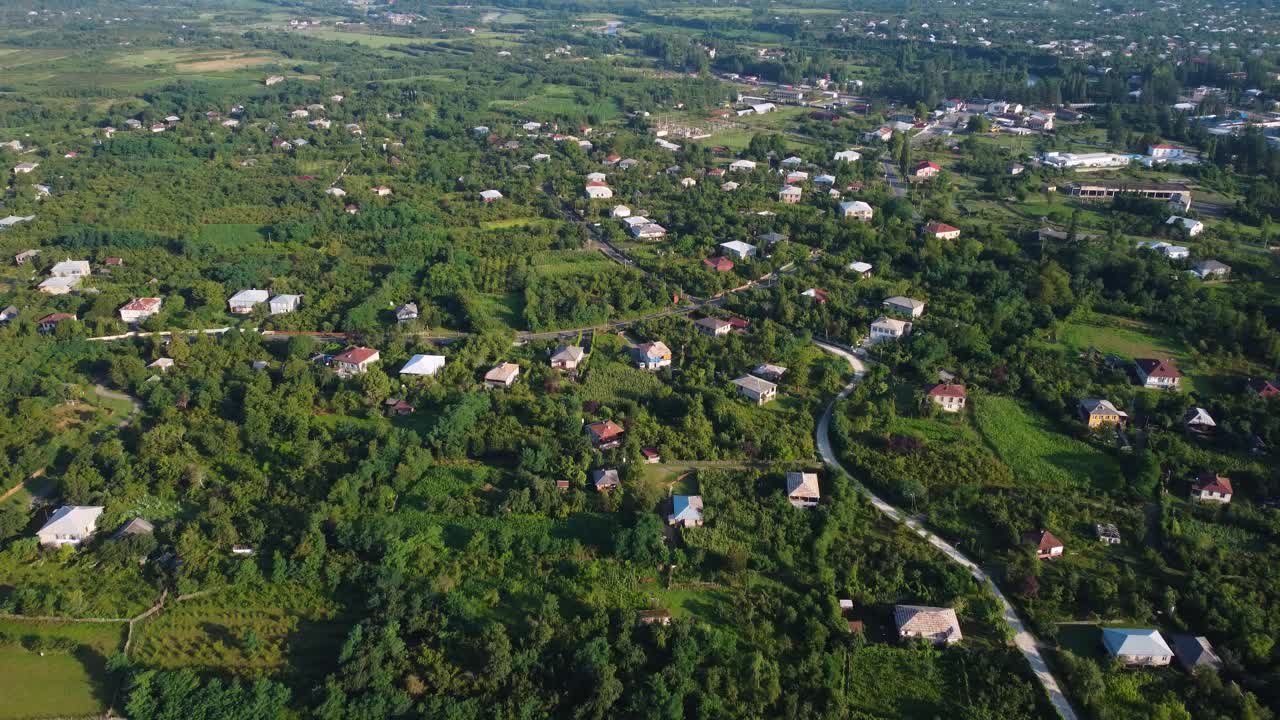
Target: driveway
{"type": "Point", "coordinates": [1022, 637]}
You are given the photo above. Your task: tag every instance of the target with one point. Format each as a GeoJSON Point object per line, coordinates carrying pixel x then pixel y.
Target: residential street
{"type": "Point", "coordinates": [1023, 638]}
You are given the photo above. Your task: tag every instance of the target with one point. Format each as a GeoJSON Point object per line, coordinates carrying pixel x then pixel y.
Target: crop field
{"type": "Point", "coordinates": [571, 262]}
{"type": "Point", "coordinates": [242, 632]}
{"type": "Point", "coordinates": [69, 679]}
{"type": "Point", "coordinates": [1038, 454]}
{"type": "Point", "coordinates": [610, 381]}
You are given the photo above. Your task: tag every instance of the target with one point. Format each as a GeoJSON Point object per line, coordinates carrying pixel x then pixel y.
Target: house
{"type": "Point", "coordinates": [1137, 647]}
{"type": "Point", "coordinates": [1160, 374]}
{"type": "Point", "coordinates": [1097, 412]}
{"type": "Point", "coordinates": [1194, 653]}
{"type": "Point", "coordinates": [715, 327]}
{"type": "Point", "coordinates": [407, 312]}
{"type": "Point", "coordinates": [160, 127]}
{"type": "Point", "coordinates": [937, 625]}
{"type": "Point", "coordinates": [789, 194]}
{"type": "Point", "coordinates": [802, 489]}
{"type": "Point", "coordinates": [242, 550]}
{"type": "Point", "coordinates": [605, 434]}
{"type": "Point", "coordinates": [1265, 388]}
{"type": "Point", "coordinates": [650, 455]}
{"type": "Point", "coordinates": [654, 617]}
{"type": "Point", "coordinates": [162, 364]}
{"type": "Point", "coordinates": [686, 511]}
{"type": "Point", "coordinates": [423, 365]}
{"type": "Point", "coordinates": [502, 375]}
{"type": "Point", "coordinates": [652, 356]}
{"type": "Point", "coordinates": [627, 163]}
{"type": "Point", "coordinates": [567, 357]}
{"type": "Point", "coordinates": [140, 309]}
{"type": "Point", "coordinates": [795, 177]}
{"type": "Point", "coordinates": [490, 196]}
{"type": "Point", "coordinates": [22, 257]}
{"type": "Point", "coordinates": [883, 134]}
{"type": "Point", "coordinates": [1165, 151]}
{"type": "Point", "coordinates": [136, 526]}
{"type": "Point", "coordinates": [687, 182]}
{"type": "Point", "coordinates": [113, 262]}
{"type": "Point", "coordinates": [562, 484]}
{"type": "Point", "coordinates": [607, 479]}
{"type": "Point", "coordinates": [58, 285]}
{"type": "Point", "coordinates": [718, 264]}
{"type": "Point", "coordinates": [925, 170]}
{"type": "Point", "coordinates": [742, 166]}
{"type": "Point", "coordinates": [942, 231]}
{"type": "Point", "coordinates": [1198, 420]}
{"type": "Point", "coordinates": [1047, 546]}
{"type": "Point", "coordinates": [49, 323]}
{"type": "Point", "coordinates": [381, 191]}
{"type": "Point", "coordinates": [10, 220]}
{"type": "Point", "coordinates": [23, 168]}
{"type": "Point", "coordinates": [1173, 252]}
{"type": "Point", "coordinates": [71, 268]}
{"type": "Point", "coordinates": [243, 302]}
{"type": "Point", "coordinates": [399, 407]}
{"type": "Point", "coordinates": [847, 156]}
{"type": "Point", "coordinates": [1212, 487]}
{"type": "Point", "coordinates": [948, 396]}
{"type": "Point", "coordinates": [598, 191]}
{"type": "Point", "coordinates": [620, 211]}
{"type": "Point", "coordinates": [856, 209]}
{"type": "Point", "coordinates": [356, 361]}
{"type": "Point", "coordinates": [1206, 269]}
{"type": "Point", "coordinates": [738, 249]}
{"type": "Point", "coordinates": [818, 294]}
{"type": "Point", "coordinates": [595, 177]}
{"type": "Point", "coordinates": [769, 372]}
{"type": "Point", "coordinates": [283, 304]}
{"type": "Point", "coordinates": [272, 80]}
{"type": "Point", "coordinates": [648, 231]}
{"type": "Point", "coordinates": [1108, 533]}
{"type": "Point", "coordinates": [904, 306]}
{"type": "Point", "coordinates": [771, 238]}
{"type": "Point", "coordinates": [335, 192]}
{"type": "Point", "coordinates": [886, 328]}
{"type": "Point", "coordinates": [70, 525]}
{"type": "Point", "coordinates": [825, 179]}
{"type": "Point", "coordinates": [8, 314]}
{"type": "Point", "coordinates": [1190, 227]}
{"type": "Point", "coordinates": [756, 390]}
{"type": "Point", "coordinates": [861, 269]}
{"type": "Point", "coordinates": [541, 157]}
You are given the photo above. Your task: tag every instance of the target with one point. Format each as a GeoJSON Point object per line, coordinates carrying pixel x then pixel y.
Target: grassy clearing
{"type": "Point", "coordinates": [506, 308]}
{"type": "Point", "coordinates": [571, 262]}
{"type": "Point", "coordinates": [708, 605]}
{"type": "Point", "coordinates": [61, 684]}
{"type": "Point", "coordinates": [1121, 336]}
{"type": "Point", "coordinates": [1038, 454]}
{"type": "Point", "coordinates": [231, 235]}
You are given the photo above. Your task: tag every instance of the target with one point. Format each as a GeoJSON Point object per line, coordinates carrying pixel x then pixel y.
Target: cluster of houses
{"type": "Point", "coordinates": [243, 302]}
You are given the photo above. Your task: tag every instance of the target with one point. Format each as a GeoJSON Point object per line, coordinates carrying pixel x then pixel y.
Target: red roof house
{"type": "Point", "coordinates": [942, 231]}
{"type": "Point", "coordinates": [1265, 388]}
{"type": "Point", "coordinates": [719, 264]}
{"type": "Point", "coordinates": [605, 434]}
{"type": "Point", "coordinates": [1047, 546]}
{"type": "Point", "coordinates": [1158, 373]}
{"type": "Point", "coordinates": [356, 360]}
{"type": "Point", "coordinates": [1212, 487]}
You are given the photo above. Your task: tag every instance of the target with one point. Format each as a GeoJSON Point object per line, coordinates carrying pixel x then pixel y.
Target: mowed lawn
{"type": "Point", "coordinates": [60, 684]}
{"type": "Point", "coordinates": [1038, 453]}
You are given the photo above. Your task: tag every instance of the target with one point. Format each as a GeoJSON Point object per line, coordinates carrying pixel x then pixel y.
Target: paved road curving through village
{"type": "Point", "coordinates": [1025, 641]}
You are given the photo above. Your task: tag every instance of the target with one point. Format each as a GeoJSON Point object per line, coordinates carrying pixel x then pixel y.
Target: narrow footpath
{"type": "Point", "coordinates": [1025, 641]}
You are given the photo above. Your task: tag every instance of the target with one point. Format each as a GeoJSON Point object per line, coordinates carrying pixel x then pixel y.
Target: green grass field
{"type": "Point", "coordinates": [1121, 336]}
{"type": "Point", "coordinates": [59, 684]}
{"type": "Point", "coordinates": [1039, 454]}
{"type": "Point", "coordinates": [231, 235]}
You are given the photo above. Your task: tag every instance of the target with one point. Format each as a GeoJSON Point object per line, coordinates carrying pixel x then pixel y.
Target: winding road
{"type": "Point", "coordinates": [1022, 637]}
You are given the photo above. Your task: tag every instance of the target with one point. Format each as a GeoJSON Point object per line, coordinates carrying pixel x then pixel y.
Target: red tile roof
{"type": "Point", "coordinates": [719, 264]}
{"type": "Point", "coordinates": [1265, 388]}
{"type": "Point", "coordinates": [356, 356]}
{"type": "Point", "coordinates": [1158, 368]}
{"type": "Point", "coordinates": [936, 228]}
{"type": "Point", "coordinates": [605, 430]}
{"type": "Point", "coordinates": [142, 305]}
{"type": "Point", "coordinates": [649, 452]}
{"type": "Point", "coordinates": [56, 318]}
{"type": "Point", "coordinates": [927, 164]}
{"type": "Point", "coordinates": [1213, 482]}
{"type": "Point", "coordinates": [947, 390]}
{"type": "Point", "coordinates": [1042, 539]}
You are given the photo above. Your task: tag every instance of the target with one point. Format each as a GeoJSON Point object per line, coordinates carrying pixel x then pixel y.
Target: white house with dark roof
{"type": "Point", "coordinates": [568, 357]}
